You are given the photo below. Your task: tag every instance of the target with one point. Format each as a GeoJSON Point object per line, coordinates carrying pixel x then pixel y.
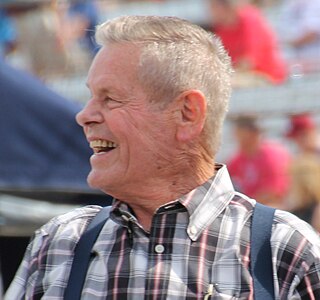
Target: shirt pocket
{"type": "Point", "coordinates": [221, 296]}
{"type": "Point", "coordinates": [214, 294]}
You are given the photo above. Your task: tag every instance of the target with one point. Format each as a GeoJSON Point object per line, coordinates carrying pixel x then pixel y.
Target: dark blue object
{"type": "Point", "coordinates": [42, 147]}
{"type": "Point", "coordinates": [261, 254]}
{"type": "Point", "coordinates": [82, 255]}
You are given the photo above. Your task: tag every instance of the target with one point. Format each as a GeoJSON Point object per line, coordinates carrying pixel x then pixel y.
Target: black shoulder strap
{"type": "Point", "coordinates": [82, 255]}
{"type": "Point", "coordinates": [260, 254]}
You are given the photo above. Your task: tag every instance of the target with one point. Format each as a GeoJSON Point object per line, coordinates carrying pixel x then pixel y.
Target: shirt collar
{"type": "Point", "coordinates": [206, 202]}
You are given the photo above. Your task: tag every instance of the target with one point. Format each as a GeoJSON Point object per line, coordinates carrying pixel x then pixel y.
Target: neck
{"type": "Point", "coordinates": [146, 199]}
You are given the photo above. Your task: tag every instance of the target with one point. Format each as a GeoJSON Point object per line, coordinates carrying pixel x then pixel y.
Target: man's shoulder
{"type": "Point", "coordinates": [287, 228]}
{"type": "Point", "coordinates": [286, 219]}
{"type": "Point", "coordinates": [84, 212]}
{"type": "Point", "coordinates": [74, 220]}
{"type": "Point", "coordinates": [62, 232]}
{"type": "Point", "coordinates": [294, 233]}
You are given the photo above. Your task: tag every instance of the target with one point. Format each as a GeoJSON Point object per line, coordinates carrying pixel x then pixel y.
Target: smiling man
{"type": "Point", "coordinates": [160, 88]}
{"type": "Point", "coordinates": [142, 139]}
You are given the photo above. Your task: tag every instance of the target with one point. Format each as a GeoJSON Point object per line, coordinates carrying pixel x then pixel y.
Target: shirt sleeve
{"type": "Point", "coordinates": [309, 285]}
{"type": "Point", "coordinates": [296, 251]}
{"type": "Point", "coordinates": [50, 249]}
{"type": "Point", "coordinates": [27, 276]}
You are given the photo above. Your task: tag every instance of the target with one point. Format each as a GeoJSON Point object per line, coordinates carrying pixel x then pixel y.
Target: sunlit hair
{"type": "Point", "coordinates": [177, 56]}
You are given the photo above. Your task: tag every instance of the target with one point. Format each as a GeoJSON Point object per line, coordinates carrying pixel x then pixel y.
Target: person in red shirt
{"type": "Point", "coordinates": [248, 38]}
{"type": "Point", "coordinates": [260, 167]}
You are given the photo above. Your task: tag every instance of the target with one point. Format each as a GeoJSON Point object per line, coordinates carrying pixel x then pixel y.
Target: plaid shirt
{"type": "Point", "coordinates": [198, 243]}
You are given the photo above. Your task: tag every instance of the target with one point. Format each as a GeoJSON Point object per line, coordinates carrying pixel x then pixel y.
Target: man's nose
{"type": "Point", "coordinates": [89, 114]}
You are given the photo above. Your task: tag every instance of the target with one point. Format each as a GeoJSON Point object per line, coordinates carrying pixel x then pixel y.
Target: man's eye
{"type": "Point", "coordinates": [108, 99]}
{"type": "Point", "coordinates": [111, 102]}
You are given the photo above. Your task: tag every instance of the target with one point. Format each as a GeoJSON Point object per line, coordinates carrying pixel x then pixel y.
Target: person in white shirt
{"type": "Point", "coordinates": [301, 29]}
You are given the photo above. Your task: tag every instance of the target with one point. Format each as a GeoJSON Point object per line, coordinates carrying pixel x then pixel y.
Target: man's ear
{"type": "Point", "coordinates": [192, 114]}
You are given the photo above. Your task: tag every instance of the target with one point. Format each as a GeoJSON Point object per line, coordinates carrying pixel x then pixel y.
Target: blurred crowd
{"type": "Point", "coordinates": [273, 174]}
{"type": "Point", "coordinates": [54, 39]}
{"type": "Point", "coordinates": [257, 49]}
{"type": "Point", "coordinates": [48, 38]}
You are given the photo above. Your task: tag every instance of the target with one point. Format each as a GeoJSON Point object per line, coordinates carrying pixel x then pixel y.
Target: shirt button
{"type": "Point", "coordinates": [159, 249]}
{"type": "Point", "coordinates": [193, 230]}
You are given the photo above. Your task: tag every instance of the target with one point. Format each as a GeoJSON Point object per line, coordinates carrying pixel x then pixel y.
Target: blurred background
{"type": "Point", "coordinates": [270, 139]}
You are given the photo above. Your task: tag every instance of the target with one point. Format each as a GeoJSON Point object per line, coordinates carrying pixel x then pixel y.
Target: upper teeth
{"type": "Point", "coordinates": [102, 144]}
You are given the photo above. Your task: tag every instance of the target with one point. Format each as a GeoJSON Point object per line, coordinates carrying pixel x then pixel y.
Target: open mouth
{"type": "Point", "coordinates": [102, 146]}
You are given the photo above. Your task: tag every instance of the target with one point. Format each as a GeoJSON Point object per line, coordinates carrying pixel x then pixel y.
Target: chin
{"type": "Point", "coordinates": [101, 182]}
{"type": "Point", "coordinates": [95, 180]}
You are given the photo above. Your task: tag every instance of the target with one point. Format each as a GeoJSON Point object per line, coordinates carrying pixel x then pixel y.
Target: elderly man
{"type": "Point", "coordinates": [177, 229]}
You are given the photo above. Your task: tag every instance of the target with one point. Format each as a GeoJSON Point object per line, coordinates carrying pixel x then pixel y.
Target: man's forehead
{"type": "Point", "coordinates": [107, 68]}
{"type": "Point", "coordinates": [118, 50]}
{"type": "Point", "coordinates": [114, 58]}
{"type": "Point", "coordinates": [100, 86]}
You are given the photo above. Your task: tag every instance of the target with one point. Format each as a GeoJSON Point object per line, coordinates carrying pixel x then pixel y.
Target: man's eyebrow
{"type": "Point", "coordinates": [100, 89]}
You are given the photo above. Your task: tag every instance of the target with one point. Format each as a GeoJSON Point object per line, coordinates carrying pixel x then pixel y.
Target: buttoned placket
{"type": "Point", "coordinates": [160, 250]}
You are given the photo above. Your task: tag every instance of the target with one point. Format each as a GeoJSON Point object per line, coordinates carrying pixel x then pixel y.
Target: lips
{"type": "Point", "coordinates": [101, 146]}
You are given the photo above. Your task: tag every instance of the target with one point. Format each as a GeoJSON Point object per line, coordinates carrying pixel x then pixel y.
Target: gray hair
{"type": "Point", "coordinates": [177, 56]}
